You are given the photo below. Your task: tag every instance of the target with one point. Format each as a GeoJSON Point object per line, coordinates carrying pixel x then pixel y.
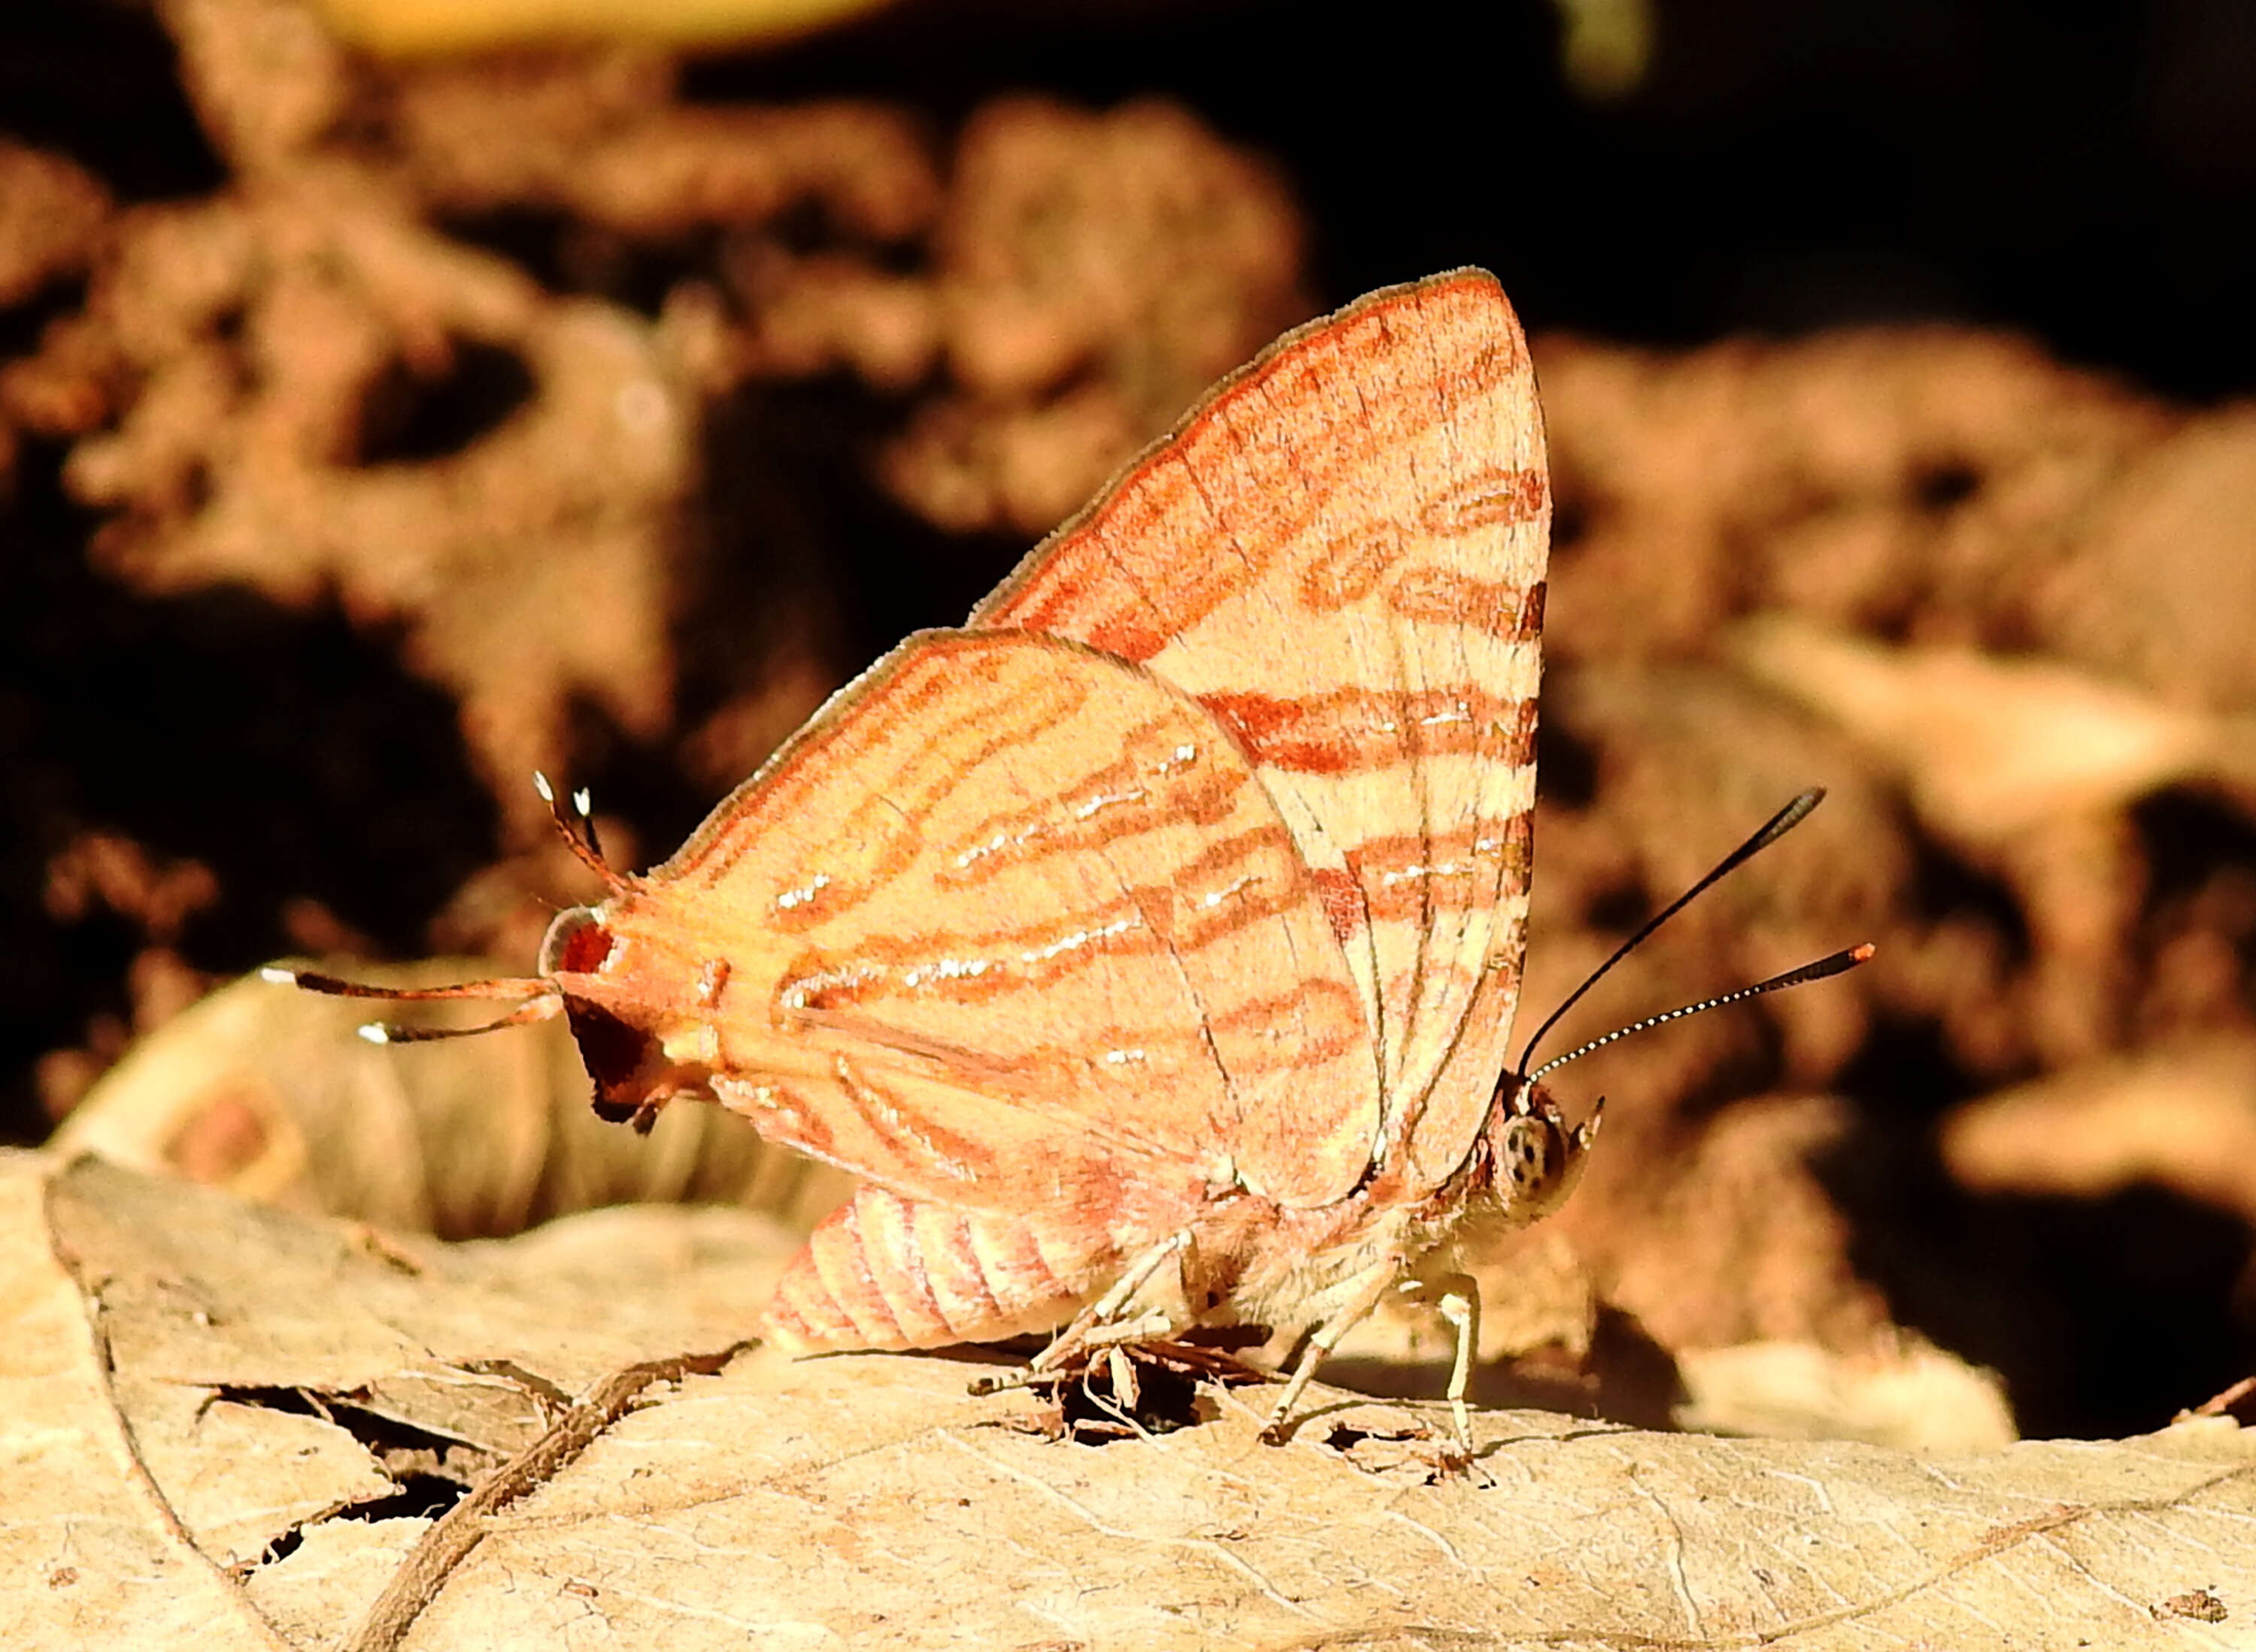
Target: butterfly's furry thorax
{"type": "Point", "coordinates": [1288, 1269]}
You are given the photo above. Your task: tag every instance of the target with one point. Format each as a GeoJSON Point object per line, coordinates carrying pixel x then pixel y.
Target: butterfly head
{"type": "Point", "coordinates": [618, 1012]}
{"type": "Point", "coordinates": [1533, 1159]}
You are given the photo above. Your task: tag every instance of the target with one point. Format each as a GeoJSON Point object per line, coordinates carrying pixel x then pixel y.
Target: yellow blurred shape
{"type": "Point", "coordinates": [418, 27]}
{"type": "Point", "coordinates": [1605, 46]}
{"type": "Point", "coordinates": [1990, 747]}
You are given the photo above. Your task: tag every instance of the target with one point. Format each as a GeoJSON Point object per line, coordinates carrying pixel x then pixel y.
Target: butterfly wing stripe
{"type": "Point", "coordinates": [1012, 865]}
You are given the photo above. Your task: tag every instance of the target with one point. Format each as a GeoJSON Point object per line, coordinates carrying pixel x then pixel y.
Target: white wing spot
{"type": "Point", "coordinates": [790, 898]}
{"type": "Point", "coordinates": [1077, 940]}
{"type": "Point", "coordinates": [806, 991]}
{"type": "Point", "coordinates": [1215, 897]}
{"type": "Point", "coordinates": [946, 970]}
{"type": "Point", "coordinates": [1089, 807]}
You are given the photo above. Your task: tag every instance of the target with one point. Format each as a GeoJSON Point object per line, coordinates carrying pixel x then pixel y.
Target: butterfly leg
{"type": "Point", "coordinates": [1099, 1325]}
{"type": "Point", "coordinates": [1368, 1288]}
{"type": "Point", "coordinates": [1456, 1298]}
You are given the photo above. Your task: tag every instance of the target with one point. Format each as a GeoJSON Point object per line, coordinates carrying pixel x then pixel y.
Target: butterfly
{"type": "Point", "coordinates": [1148, 945]}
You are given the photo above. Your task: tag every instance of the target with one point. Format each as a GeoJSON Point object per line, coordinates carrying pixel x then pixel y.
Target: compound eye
{"type": "Point", "coordinates": [1528, 1158]}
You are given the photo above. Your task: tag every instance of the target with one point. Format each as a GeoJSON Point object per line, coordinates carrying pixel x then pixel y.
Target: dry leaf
{"type": "Point", "coordinates": [1990, 748]}
{"type": "Point", "coordinates": [2184, 1116]}
{"type": "Point", "coordinates": [218, 1421]}
{"type": "Point", "coordinates": [1918, 1399]}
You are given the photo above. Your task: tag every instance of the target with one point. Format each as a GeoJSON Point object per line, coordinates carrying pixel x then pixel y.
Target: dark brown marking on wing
{"type": "Point", "coordinates": [1441, 595]}
{"type": "Point", "coordinates": [1495, 499]}
{"type": "Point", "coordinates": [613, 1053]}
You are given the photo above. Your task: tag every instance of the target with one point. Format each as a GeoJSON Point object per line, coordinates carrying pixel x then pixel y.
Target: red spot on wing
{"type": "Point", "coordinates": [1342, 900]}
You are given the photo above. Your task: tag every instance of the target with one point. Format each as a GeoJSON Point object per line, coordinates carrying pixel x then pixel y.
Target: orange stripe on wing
{"type": "Point", "coordinates": [1408, 877]}
{"type": "Point", "coordinates": [1114, 577]}
{"type": "Point", "coordinates": [1236, 882]}
{"type": "Point", "coordinates": [1352, 731]}
{"type": "Point", "coordinates": [1161, 780]}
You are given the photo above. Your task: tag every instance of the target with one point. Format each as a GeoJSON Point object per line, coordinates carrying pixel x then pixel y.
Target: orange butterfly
{"type": "Point", "coordinates": [1149, 945]}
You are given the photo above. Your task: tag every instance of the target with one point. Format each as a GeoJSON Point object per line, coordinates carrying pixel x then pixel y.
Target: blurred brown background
{"type": "Point", "coordinates": [375, 430]}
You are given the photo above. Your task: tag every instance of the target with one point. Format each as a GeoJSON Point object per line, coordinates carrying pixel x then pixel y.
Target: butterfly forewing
{"type": "Point", "coordinates": [1017, 921]}
{"type": "Point", "coordinates": [1367, 510]}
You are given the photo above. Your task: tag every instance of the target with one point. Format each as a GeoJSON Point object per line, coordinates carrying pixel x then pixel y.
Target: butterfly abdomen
{"type": "Point", "coordinates": [885, 1272]}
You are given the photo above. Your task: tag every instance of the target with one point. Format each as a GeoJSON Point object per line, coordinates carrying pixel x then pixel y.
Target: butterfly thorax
{"type": "Point", "coordinates": [1256, 1262]}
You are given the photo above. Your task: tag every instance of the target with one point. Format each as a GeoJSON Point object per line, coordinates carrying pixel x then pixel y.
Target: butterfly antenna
{"type": "Point", "coordinates": [539, 999]}
{"type": "Point", "coordinates": [1832, 964]}
{"type": "Point", "coordinates": [577, 823]}
{"type": "Point", "coordinates": [1775, 828]}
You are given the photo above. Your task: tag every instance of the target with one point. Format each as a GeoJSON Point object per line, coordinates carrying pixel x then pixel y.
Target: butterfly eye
{"type": "Point", "coordinates": [1527, 1156]}
{"type": "Point", "coordinates": [1538, 1159]}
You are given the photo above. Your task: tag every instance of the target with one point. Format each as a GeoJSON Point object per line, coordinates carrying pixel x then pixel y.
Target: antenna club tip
{"type": "Point", "coordinates": [1861, 954]}
{"type": "Point", "coordinates": [374, 1031]}
{"type": "Point", "coordinates": [278, 976]}
{"type": "Point", "coordinates": [540, 784]}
